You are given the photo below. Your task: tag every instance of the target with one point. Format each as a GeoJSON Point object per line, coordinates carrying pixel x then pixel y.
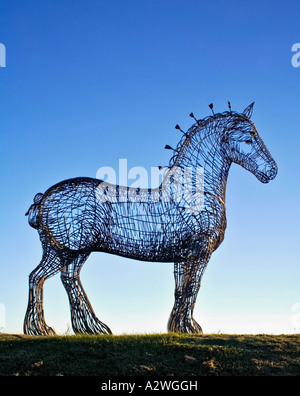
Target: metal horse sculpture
{"type": "Point", "coordinates": [77, 216]}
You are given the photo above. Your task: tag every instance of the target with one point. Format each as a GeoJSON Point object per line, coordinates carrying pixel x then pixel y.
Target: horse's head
{"type": "Point", "coordinates": [242, 145]}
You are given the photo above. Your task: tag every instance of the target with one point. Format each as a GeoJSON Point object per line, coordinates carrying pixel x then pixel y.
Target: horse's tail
{"type": "Point", "coordinates": [33, 211]}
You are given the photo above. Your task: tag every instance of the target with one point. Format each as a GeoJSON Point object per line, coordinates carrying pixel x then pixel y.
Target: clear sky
{"type": "Point", "coordinates": [89, 82]}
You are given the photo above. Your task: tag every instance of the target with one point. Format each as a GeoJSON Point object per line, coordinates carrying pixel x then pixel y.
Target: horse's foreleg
{"type": "Point", "coordinates": [34, 323]}
{"type": "Point", "coordinates": [83, 317]}
{"type": "Point", "coordinates": [187, 283]}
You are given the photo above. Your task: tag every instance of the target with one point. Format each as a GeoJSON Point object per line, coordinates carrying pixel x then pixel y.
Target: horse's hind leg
{"type": "Point", "coordinates": [83, 317]}
{"type": "Point", "coordinates": [34, 323]}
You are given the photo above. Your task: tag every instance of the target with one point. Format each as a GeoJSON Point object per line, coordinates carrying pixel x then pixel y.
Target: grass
{"type": "Point", "coordinates": [150, 355]}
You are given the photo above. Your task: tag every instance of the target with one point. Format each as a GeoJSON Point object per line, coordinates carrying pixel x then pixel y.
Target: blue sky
{"type": "Point", "coordinates": [89, 82]}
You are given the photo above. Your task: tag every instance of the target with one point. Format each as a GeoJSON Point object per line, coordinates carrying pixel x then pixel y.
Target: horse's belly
{"type": "Point", "coordinates": [142, 245]}
{"type": "Point", "coordinates": [145, 232]}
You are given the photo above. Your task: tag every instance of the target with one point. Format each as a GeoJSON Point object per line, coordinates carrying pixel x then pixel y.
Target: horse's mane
{"type": "Point", "coordinates": [200, 127]}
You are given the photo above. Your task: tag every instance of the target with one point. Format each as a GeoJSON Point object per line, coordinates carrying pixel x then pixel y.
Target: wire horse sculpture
{"type": "Point", "coordinates": [78, 216]}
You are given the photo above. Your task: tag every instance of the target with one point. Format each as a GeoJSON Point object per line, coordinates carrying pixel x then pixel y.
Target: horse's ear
{"type": "Point", "coordinates": [248, 110]}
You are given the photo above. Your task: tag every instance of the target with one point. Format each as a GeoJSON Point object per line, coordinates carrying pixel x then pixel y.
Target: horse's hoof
{"type": "Point", "coordinates": [187, 327]}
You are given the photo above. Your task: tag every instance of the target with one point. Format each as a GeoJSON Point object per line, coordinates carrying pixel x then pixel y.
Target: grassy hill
{"type": "Point", "coordinates": [150, 355]}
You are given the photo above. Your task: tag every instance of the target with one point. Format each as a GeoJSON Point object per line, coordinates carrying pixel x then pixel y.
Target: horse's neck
{"type": "Point", "coordinates": [203, 149]}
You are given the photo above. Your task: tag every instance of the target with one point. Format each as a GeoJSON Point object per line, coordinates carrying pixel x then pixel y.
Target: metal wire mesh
{"type": "Point", "coordinates": [172, 223]}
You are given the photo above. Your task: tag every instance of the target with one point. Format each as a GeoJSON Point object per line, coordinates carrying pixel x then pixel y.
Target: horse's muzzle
{"type": "Point", "coordinates": [272, 172]}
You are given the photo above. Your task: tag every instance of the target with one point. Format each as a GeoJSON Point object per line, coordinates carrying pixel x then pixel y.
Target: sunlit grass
{"type": "Point", "coordinates": [150, 355]}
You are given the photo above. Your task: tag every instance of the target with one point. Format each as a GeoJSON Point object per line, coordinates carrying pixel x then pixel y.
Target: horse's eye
{"type": "Point", "coordinates": [252, 133]}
